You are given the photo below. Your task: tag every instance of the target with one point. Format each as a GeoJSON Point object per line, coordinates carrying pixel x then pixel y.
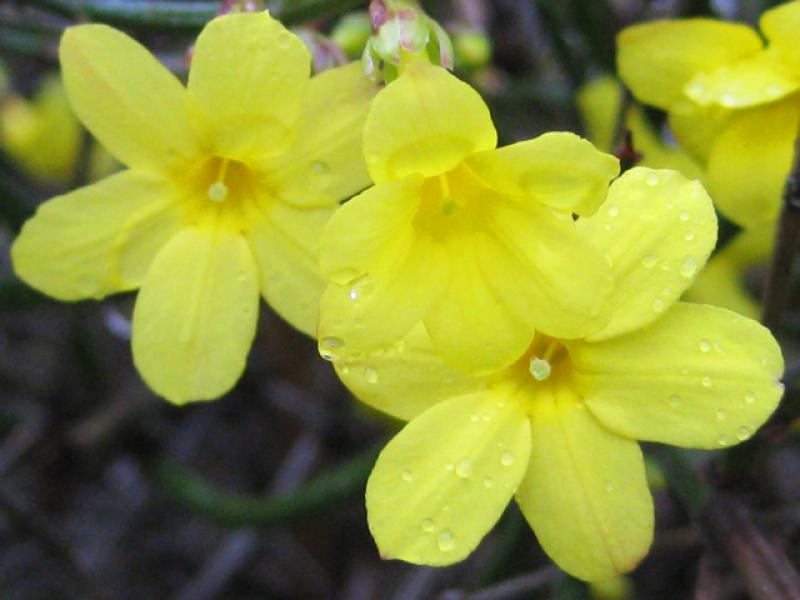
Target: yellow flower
{"type": "Point", "coordinates": [477, 242]}
{"type": "Point", "coordinates": [732, 102]}
{"type": "Point", "coordinates": [557, 430]}
{"type": "Point", "coordinates": [229, 183]}
{"type": "Point", "coordinates": [599, 103]}
{"type": "Point", "coordinates": [722, 282]}
{"type": "Point", "coordinates": [42, 135]}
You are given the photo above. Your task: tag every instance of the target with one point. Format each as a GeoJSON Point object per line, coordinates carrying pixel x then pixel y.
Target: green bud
{"type": "Point", "coordinates": [473, 48]}
{"type": "Point", "coordinates": [403, 33]}
{"type": "Point", "coordinates": [352, 32]}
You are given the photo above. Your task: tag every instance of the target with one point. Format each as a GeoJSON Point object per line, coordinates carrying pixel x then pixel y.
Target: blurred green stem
{"type": "Point", "coordinates": [236, 510]}
{"type": "Point", "coordinates": [187, 15]}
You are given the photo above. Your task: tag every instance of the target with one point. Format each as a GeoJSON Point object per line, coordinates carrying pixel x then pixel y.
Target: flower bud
{"type": "Point", "coordinates": [401, 33]}
{"type": "Point", "coordinates": [352, 32]}
{"type": "Point", "coordinates": [472, 48]}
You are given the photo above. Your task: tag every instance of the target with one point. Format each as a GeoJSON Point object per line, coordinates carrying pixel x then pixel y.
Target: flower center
{"type": "Point", "coordinates": [218, 190]}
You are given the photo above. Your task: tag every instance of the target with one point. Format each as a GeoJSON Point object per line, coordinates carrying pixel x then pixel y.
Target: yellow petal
{"type": "Point", "coordinates": [284, 242]}
{"type": "Point", "coordinates": [598, 103]}
{"type": "Point", "coordinates": [759, 79]}
{"type": "Point", "coordinates": [425, 122]}
{"type": "Point", "coordinates": [469, 325]}
{"type": "Point", "coordinates": [131, 103]}
{"type": "Point", "coordinates": [780, 26]}
{"type": "Point", "coordinates": [369, 230]}
{"type": "Point", "coordinates": [562, 294]}
{"type": "Point", "coordinates": [195, 316]}
{"type": "Point", "coordinates": [722, 282]}
{"type": "Point", "coordinates": [405, 379]}
{"type": "Point", "coordinates": [558, 169]}
{"type": "Point", "coordinates": [380, 307]}
{"type": "Point", "coordinates": [750, 161]}
{"type": "Point", "coordinates": [701, 376]}
{"type": "Point", "coordinates": [99, 239]}
{"type": "Point", "coordinates": [249, 76]}
{"type": "Point", "coordinates": [656, 60]}
{"type": "Point", "coordinates": [585, 492]}
{"type": "Point", "coordinates": [445, 479]}
{"type": "Point", "coordinates": [697, 127]}
{"type": "Point", "coordinates": [326, 164]}
{"type": "Point", "coordinates": [658, 229]}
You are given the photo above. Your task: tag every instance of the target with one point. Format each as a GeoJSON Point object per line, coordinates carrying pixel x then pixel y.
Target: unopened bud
{"type": "Point", "coordinates": [473, 48]}
{"type": "Point", "coordinates": [352, 32]}
{"type": "Point", "coordinates": [402, 33]}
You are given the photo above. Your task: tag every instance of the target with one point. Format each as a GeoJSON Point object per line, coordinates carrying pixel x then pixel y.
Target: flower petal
{"type": "Point", "coordinates": [558, 169]}
{"type": "Point", "coordinates": [780, 26]}
{"type": "Point", "coordinates": [470, 327]}
{"type": "Point", "coordinates": [369, 230]}
{"type": "Point", "coordinates": [585, 492]}
{"type": "Point", "coordinates": [284, 242]}
{"type": "Point", "coordinates": [701, 376]}
{"type": "Point", "coordinates": [750, 161]}
{"type": "Point", "coordinates": [99, 239]}
{"type": "Point", "coordinates": [655, 60]}
{"type": "Point", "coordinates": [445, 479]}
{"type": "Point", "coordinates": [722, 282]}
{"type": "Point", "coordinates": [129, 101]}
{"type": "Point", "coordinates": [658, 229]}
{"type": "Point", "coordinates": [425, 122]}
{"type": "Point", "coordinates": [759, 79]}
{"type": "Point", "coordinates": [249, 75]}
{"type": "Point", "coordinates": [326, 164]}
{"type": "Point", "coordinates": [563, 294]}
{"type": "Point", "coordinates": [195, 317]}
{"type": "Point", "coordinates": [697, 127]}
{"type": "Point", "coordinates": [381, 307]}
{"type": "Point", "coordinates": [406, 379]}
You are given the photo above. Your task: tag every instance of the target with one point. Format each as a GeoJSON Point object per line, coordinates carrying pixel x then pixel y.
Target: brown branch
{"type": "Point", "coordinates": [776, 293]}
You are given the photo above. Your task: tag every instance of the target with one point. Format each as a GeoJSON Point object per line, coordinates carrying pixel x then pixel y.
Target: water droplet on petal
{"type": "Point", "coordinates": [688, 235]}
{"type": "Point", "coordinates": [217, 191]}
{"type": "Point", "coordinates": [475, 418]}
{"type": "Point", "coordinates": [613, 211]}
{"type": "Point", "coordinates": [427, 525]}
{"type": "Point", "coordinates": [658, 305]}
{"type": "Point", "coordinates": [319, 174]}
{"type": "Point", "coordinates": [446, 541]}
{"type": "Point", "coordinates": [488, 482]}
{"type": "Point", "coordinates": [407, 476]}
{"type": "Point", "coordinates": [371, 375]}
{"type": "Point", "coordinates": [705, 345]}
{"type": "Point", "coordinates": [688, 267]}
{"type": "Point", "coordinates": [749, 397]}
{"type": "Point", "coordinates": [360, 287]}
{"type": "Point", "coordinates": [723, 440]}
{"type": "Point", "coordinates": [329, 347]}
{"type": "Point", "coordinates": [507, 459]}
{"type": "Point", "coordinates": [706, 381]}
{"type": "Point", "coordinates": [721, 415]}
{"type": "Point", "coordinates": [743, 433]}
{"type": "Point", "coordinates": [539, 368]}
{"type": "Point", "coordinates": [649, 261]}
{"type": "Point", "coordinates": [284, 40]}
{"type": "Point", "coordinates": [449, 466]}
{"type": "Point", "coordinates": [683, 216]}
{"type": "Point", "coordinates": [652, 180]}
{"type": "Point", "coordinates": [464, 468]}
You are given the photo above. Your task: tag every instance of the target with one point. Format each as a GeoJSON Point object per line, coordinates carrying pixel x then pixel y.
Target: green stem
{"type": "Point", "coordinates": [187, 15]}
{"type": "Point", "coordinates": [236, 510]}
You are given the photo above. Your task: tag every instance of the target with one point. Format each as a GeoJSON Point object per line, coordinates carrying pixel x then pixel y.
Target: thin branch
{"type": "Point", "coordinates": [787, 239]}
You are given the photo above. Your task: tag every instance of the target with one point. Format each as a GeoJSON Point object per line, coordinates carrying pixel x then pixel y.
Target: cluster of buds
{"type": "Point", "coordinates": [401, 33]}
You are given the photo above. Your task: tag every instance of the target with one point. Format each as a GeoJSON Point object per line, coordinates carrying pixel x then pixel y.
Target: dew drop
{"type": "Point", "coordinates": [360, 287]}
{"type": "Point", "coordinates": [427, 525]}
{"type": "Point", "coordinates": [284, 40]}
{"type": "Point", "coordinates": [464, 468]}
{"type": "Point", "coordinates": [649, 261]}
{"type": "Point", "coordinates": [666, 291]}
{"type": "Point", "coordinates": [486, 417]}
{"type": "Point", "coordinates": [446, 541]}
{"type": "Point", "coordinates": [721, 415]}
{"type": "Point", "coordinates": [371, 375]}
{"type": "Point", "coordinates": [449, 466]}
{"type": "Point", "coordinates": [539, 368]}
{"type": "Point", "coordinates": [475, 418]}
{"type": "Point", "coordinates": [704, 345]}
{"type": "Point", "coordinates": [743, 433]}
{"type": "Point", "coordinates": [507, 459]}
{"type": "Point", "coordinates": [683, 216]}
{"type": "Point", "coordinates": [658, 305]}
{"type": "Point", "coordinates": [613, 211]}
{"type": "Point", "coordinates": [706, 381]}
{"type": "Point", "coordinates": [665, 266]}
{"type": "Point", "coordinates": [319, 174]}
{"type": "Point", "coordinates": [651, 180]}
{"type": "Point", "coordinates": [723, 441]}
{"type": "Point", "coordinates": [329, 346]}
{"type": "Point", "coordinates": [407, 476]}
{"type": "Point", "coordinates": [688, 236]}
{"type": "Point", "coordinates": [688, 267]}
{"type": "Point", "coordinates": [749, 397]}
{"type": "Point", "coordinates": [488, 482]}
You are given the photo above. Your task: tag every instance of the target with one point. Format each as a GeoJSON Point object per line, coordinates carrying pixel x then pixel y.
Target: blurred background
{"type": "Point", "coordinates": [108, 492]}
